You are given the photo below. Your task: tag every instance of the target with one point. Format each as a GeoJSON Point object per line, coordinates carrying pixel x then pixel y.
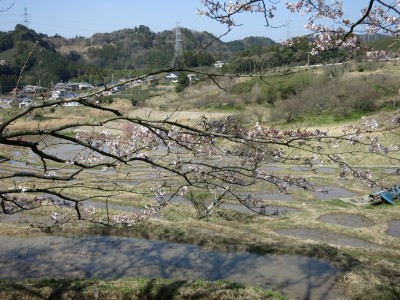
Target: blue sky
{"type": "Point", "coordinates": [70, 18]}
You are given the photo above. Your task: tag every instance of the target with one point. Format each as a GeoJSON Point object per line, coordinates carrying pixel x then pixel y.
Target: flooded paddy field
{"type": "Point", "coordinates": [394, 229]}
{"type": "Point", "coordinates": [297, 276]}
{"type": "Point", "coordinates": [299, 218]}
{"type": "Point", "coordinates": [94, 256]}
{"type": "Point", "coordinates": [325, 236]}
{"type": "Point", "coordinates": [349, 220]}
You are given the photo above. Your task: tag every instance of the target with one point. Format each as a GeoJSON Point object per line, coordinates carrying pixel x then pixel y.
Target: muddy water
{"type": "Point", "coordinates": [315, 170]}
{"type": "Point", "coordinates": [325, 236]}
{"type": "Point", "coordinates": [391, 171]}
{"type": "Point", "coordinates": [110, 257]}
{"type": "Point", "coordinates": [270, 196]}
{"type": "Point", "coordinates": [120, 207]}
{"type": "Point", "coordinates": [268, 210]}
{"type": "Point", "coordinates": [330, 192]}
{"type": "Point", "coordinates": [349, 220]}
{"type": "Point", "coordinates": [394, 229]}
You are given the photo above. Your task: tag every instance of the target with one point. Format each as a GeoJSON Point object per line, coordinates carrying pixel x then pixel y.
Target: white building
{"type": "Point", "coordinates": [172, 77]}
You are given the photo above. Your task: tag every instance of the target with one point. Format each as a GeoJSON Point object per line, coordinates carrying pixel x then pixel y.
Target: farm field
{"type": "Point", "coordinates": [326, 243]}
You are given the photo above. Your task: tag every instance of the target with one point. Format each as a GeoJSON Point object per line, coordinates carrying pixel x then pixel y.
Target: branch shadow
{"type": "Point", "coordinates": [111, 257]}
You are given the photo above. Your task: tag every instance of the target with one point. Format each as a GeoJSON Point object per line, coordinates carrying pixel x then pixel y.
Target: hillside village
{"type": "Point", "coordinates": [82, 55]}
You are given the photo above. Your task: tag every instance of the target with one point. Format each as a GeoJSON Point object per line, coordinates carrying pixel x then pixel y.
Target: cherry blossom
{"type": "Point", "coordinates": [109, 156]}
{"type": "Point", "coordinates": [327, 21]}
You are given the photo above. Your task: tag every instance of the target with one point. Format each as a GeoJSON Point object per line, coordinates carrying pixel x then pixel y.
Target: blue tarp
{"type": "Point", "coordinates": [388, 195]}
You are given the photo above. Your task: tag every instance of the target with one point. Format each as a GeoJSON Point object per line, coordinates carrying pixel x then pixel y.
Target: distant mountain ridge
{"type": "Point", "coordinates": [139, 47]}
{"type": "Point", "coordinates": [57, 58]}
{"type": "Point", "coordinates": [54, 59]}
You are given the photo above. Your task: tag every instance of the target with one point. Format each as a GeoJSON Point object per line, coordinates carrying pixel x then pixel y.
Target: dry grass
{"type": "Point", "coordinates": [132, 289]}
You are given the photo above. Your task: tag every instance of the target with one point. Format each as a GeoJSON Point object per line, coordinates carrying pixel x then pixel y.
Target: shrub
{"type": "Point", "coordinates": [293, 84]}
{"type": "Point", "coordinates": [105, 99]}
{"type": "Point", "coordinates": [134, 101]}
{"type": "Point", "coordinates": [256, 95]}
{"type": "Point", "coordinates": [362, 96]}
{"type": "Point", "coordinates": [243, 87]}
{"type": "Point", "coordinates": [271, 94]}
{"type": "Point", "coordinates": [288, 110]}
{"type": "Point", "coordinates": [319, 97]}
{"type": "Point", "coordinates": [183, 82]}
{"type": "Point", "coordinates": [163, 106]}
{"type": "Point", "coordinates": [203, 102]}
{"type": "Point", "coordinates": [37, 116]}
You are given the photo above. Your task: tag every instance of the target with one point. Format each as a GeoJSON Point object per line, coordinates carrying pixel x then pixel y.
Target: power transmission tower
{"type": "Point", "coordinates": [289, 29]}
{"type": "Point", "coordinates": [178, 45]}
{"type": "Point", "coordinates": [26, 18]}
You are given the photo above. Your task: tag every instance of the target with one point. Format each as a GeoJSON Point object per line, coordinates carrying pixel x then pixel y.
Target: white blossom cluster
{"type": "Point", "coordinates": [362, 133]}
{"type": "Point", "coordinates": [223, 10]}
{"type": "Point", "coordinates": [327, 20]}
{"type": "Point", "coordinates": [135, 141]}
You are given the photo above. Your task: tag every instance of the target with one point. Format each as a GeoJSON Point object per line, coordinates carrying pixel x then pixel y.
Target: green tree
{"type": "Point", "coordinates": [183, 82]}
{"type": "Point", "coordinates": [6, 41]}
{"type": "Point", "coordinates": [189, 59]}
{"type": "Point", "coordinates": [158, 59]}
{"type": "Point", "coordinates": [205, 58]}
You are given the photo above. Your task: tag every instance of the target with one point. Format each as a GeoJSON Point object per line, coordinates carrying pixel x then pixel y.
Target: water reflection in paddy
{"type": "Point", "coordinates": [110, 257]}
{"type": "Point", "coordinates": [268, 209]}
{"type": "Point", "coordinates": [316, 170]}
{"type": "Point", "coordinates": [349, 220]}
{"type": "Point", "coordinates": [325, 236]}
{"type": "Point", "coordinates": [329, 192]}
{"type": "Point", "coordinates": [394, 229]}
{"type": "Point", "coordinates": [392, 171]}
{"type": "Point", "coordinates": [268, 196]}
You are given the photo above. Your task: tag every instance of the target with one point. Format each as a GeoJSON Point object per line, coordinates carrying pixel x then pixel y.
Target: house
{"type": "Point", "coordinates": [14, 91]}
{"type": "Point", "coordinates": [107, 93]}
{"type": "Point", "coordinates": [73, 103]}
{"type": "Point", "coordinates": [219, 64]}
{"type": "Point", "coordinates": [172, 77]}
{"type": "Point", "coordinates": [377, 55]}
{"type": "Point", "coordinates": [71, 96]}
{"type": "Point", "coordinates": [85, 86]}
{"type": "Point", "coordinates": [150, 79]}
{"type": "Point", "coordinates": [115, 88]}
{"type": "Point", "coordinates": [72, 86]}
{"type": "Point", "coordinates": [31, 89]}
{"type": "Point", "coordinates": [25, 102]}
{"type": "Point", "coordinates": [59, 93]}
{"type": "Point", "coordinates": [193, 77]}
